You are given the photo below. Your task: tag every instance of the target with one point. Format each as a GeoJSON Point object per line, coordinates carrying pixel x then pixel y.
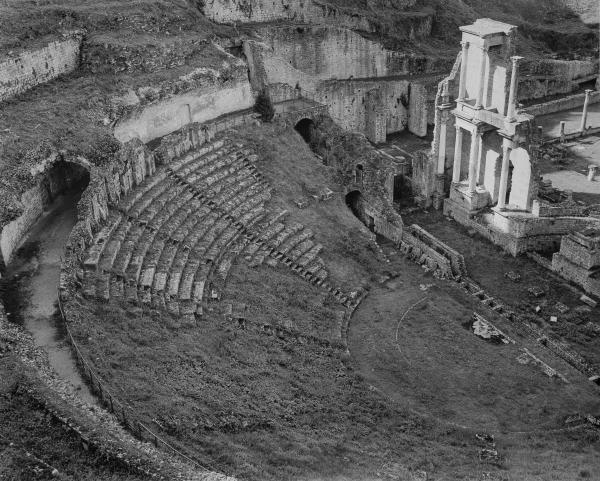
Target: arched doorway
{"type": "Point", "coordinates": [305, 128]}
{"type": "Point", "coordinates": [65, 178]}
{"type": "Point", "coordinates": [402, 191]}
{"type": "Point", "coordinates": [355, 202]}
{"type": "Point", "coordinates": [359, 174]}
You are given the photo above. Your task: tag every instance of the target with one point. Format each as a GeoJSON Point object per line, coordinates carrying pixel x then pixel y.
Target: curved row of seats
{"type": "Point", "coordinates": [171, 241]}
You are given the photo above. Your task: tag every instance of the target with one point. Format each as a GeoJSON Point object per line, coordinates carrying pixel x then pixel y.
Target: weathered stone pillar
{"type": "Point", "coordinates": [482, 68]}
{"type": "Point", "coordinates": [479, 160]}
{"type": "Point", "coordinates": [462, 88]}
{"type": "Point", "coordinates": [457, 155]}
{"type": "Point", "coordinates": [514, 87]}
{"type": "Point", "coordinates": [475, 140]}
{"type": "Point", "coordinates": [441, 164]}
{"type": "Point", "coordinates": [562, 128]}
{"type": "Point", "coordinates": [586, 105]}
{"type": "Point", "coordinates": [506, 149]}
{"type": "Point", "coordinates": [593, 169]}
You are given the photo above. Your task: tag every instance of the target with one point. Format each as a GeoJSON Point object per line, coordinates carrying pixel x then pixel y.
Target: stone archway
{"type": "Point", "coordinates": [306, 128]}
{"type": "Point", "coordinates": [521, 191]}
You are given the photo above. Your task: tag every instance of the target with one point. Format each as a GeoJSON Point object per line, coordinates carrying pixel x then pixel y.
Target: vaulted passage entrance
{"type": "Point", "coordinates": [355, 202]}
{"type": "Point", "coordinates": [305, 128]}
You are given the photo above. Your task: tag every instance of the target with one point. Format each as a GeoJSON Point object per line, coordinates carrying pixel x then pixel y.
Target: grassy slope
{"type": "Point", "coordinates": [262, 406]}
{"type": "Point", "coordinates": [256, 405]}
{"type": "Point", "coordinates": [31, 430]}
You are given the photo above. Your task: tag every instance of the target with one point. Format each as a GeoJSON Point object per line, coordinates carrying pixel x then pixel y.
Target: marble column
{"type": "Point", "coordinates": [457, 155]}
{"type": "Point", "coordinates": [586, 105]}
{"type": "Point", "coordinates": [475, 140]}
{"type": "Point", "coordinates": [462, 89]}
{"type": "Point", "coordinates": [514, 88]}
{"type": "Point", "coordinates": [441, 165]}
{"type": "Point", "coordinates": [506, 149]}
{"type": "Point", "coordinates": [482, 70]}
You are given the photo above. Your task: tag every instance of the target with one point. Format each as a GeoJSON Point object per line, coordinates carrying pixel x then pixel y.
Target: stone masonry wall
{"type": "Point", "coordinates": [337, 53]}
{"type": "Point", "coordinates": [348, 100]}
{"type": "Point", "coordinates": [309, 11]}
{"type": "Point", "coordinates": [34, 200]}
{"type": "Point", "coordinates": [200, 96]}
{"type": "Point", "coordinates": [32, 68]}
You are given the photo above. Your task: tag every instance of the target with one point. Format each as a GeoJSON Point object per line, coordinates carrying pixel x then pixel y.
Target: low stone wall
{"type": "Point", "coordinates": [558, 105]}
{"type": "Point", "coordinates": [457, 261]}
{"type": "Point", "coordinates": [422, 253]}
{"type": "Point", "coordinates": [32, 68]}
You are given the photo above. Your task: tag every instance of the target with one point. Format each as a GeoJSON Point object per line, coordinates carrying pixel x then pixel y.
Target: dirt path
{"type": "Point", "coordinates": [34, 274]}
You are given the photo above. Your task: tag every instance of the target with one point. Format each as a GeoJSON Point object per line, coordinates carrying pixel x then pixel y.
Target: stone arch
{"type": "Point", "coordinates": [521, 191]}
{"type": "Point", "coordinates": [359, 173]}
{"type": "Point", "coordinates": [306, 128]}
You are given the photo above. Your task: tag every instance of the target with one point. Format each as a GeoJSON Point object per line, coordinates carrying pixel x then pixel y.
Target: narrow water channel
{"type": "Point", "coordinates": [31, 286]}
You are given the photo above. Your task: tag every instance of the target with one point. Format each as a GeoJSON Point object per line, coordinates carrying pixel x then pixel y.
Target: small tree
{"type": "Point", "coordinates": [264, 106]}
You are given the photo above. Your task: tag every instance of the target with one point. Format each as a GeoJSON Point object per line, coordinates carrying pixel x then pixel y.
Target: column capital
{"type": "Point", "coordinates": [588, 92]}
{"type": "Point", "coordinates": [516, 59]}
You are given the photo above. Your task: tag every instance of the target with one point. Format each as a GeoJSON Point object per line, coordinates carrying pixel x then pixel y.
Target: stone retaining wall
{"type": "Point", "coordinates": [32, 68]}
{"type": "Point", "coordinates": [411, 24]}
{"type": "Point", "coordinates": [210, 99]}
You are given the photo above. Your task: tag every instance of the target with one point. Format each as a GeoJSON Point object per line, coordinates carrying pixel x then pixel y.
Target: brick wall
{"type": "Point", "coordinates": [32, 68]}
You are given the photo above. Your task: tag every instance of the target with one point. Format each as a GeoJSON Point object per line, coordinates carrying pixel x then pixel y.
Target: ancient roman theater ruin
{"type": "Point", "coordinates": [300, 239]}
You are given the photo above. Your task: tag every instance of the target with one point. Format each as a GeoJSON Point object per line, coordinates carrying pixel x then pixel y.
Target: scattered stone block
{"type": "Point", "coordinates": [553, 319]}
{"type": "Point", "coordinates": [536, 291]}
{"type": "Point", "coordinates": [560, 307]}
{"type": "Point", "coordinates": [326, 194]}
{"type": "Point", "coordinates": [513, 276]}
{"type": "Point", "coordinates": [301, 203]}
{"type": "Point", "coordinates": [588, 300]}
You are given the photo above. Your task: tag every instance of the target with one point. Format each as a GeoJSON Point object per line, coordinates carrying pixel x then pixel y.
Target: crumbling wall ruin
{"type": "Point", "coordinates": [23, 72]}
{"type": "Point", "coordinates": [349, 101]}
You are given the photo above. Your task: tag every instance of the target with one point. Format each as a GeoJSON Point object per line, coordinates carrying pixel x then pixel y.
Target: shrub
{"type": "Point", "coordinates": [264, 106]}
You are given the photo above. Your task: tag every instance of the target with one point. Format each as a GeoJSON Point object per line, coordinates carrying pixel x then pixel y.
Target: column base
{"type": "Point", "coordinates": [471, 201]}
